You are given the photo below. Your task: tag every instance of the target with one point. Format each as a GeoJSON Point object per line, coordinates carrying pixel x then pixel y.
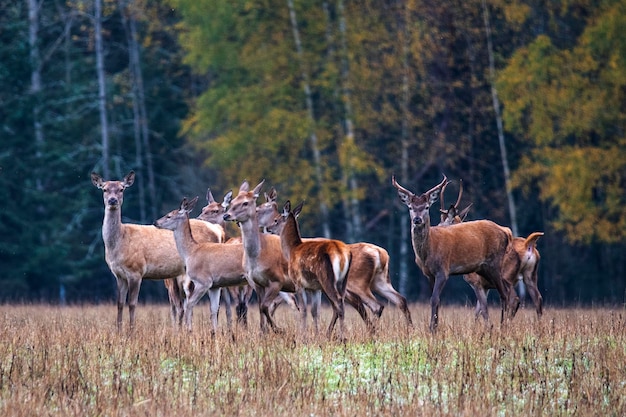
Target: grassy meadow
{"type": "Point", "coordinates": [71, 361]}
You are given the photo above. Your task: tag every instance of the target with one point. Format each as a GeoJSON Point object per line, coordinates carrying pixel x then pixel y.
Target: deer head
{"type": "Point", "coordinates": [172, 219]}
{"type": "Point", "coordinates": [452, 215]}
{"type": "Point", "coordinates": [243, 207]}
{"type": "Point", "coordinates": [267, 211]}
{"type": "Point", "coordinates": [213, 212]}
{"type": "Point", "coordinates": [277, 223]}
{"type": "Point", "coordinates": [419, 205]}
{"type": "Point", "coordinates": [113, 191]}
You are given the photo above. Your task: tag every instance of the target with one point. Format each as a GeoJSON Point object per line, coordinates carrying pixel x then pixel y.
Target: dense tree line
{"type": "Point", "coordinates": [524, 101]}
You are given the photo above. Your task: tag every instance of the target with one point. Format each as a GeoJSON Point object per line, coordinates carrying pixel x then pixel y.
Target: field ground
{"type": "Point", "coordinates": [70, 361]}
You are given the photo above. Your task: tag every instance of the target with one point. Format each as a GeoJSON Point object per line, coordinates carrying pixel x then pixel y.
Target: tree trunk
{"type": "Point", "coordinates": [503, 155]}
{"type": "Point", "coordinates": [143, 113]}
{"type": "Point", "coordinates": [102, 98]}
{"type": "Point", "coordinates": [349, 179]}
{"type": "Point", "coordinates": [35, 79]}
{"type": "Point", "coordinates": [312, 134]}
{"type": "Point", "coordinates": [404, 152]}
{"type": "Point", "coordinates": [128, 15]}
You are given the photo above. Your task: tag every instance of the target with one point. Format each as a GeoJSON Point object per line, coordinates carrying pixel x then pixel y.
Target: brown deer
{"type": "Point", "coordinates": [251, 213]}
{"type": "Point", "coordinates": [213, 212]}
{"type": "Point", "coordinates": [266, 269]}
{"type": "Point", "coordinates": [369, 269]}
{"type": "Point", "coordinates": [478, 246]}
{"type": "Point", "coordinates": [209, 266]}
{"type": "Point", "coordinates": [135, 252]}
{"type": "Point", "coordinates": [317, 264]}
{"type": "Point", "coordinates": [527, 252]}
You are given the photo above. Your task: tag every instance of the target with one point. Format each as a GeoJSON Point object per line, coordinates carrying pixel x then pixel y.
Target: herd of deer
{"type": "Point", "coordinates": [271, 258]}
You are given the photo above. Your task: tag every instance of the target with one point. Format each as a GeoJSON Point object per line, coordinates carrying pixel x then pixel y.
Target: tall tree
{"type": "Point", "coordinates": [566, 102]}
{"type": "Point", "coordinates": [317, 161]}
{"type": "Point", "coordinates": [102, 90]}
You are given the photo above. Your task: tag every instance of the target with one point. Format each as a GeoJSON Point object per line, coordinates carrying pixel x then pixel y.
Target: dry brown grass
{"type": "Point", "coordinates": [70, 361]}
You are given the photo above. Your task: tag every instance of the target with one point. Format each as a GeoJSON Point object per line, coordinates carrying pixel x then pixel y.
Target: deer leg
{"type": "Point", "coordinates": [481, 302]}
{"type": "Point", "coordinates": [133, 297]}
{"type": "Point", "coordinates": [316, 301]}
{"type": "Point", "coordinates": [122, 292]}
{"type": "Point", "coordinates": [176, 300]}
{"type": "Point", "coordinates": [260, 293]}
{"type": "Point", "coordinates": [214, 297]}
{"type": "Point", "coordinates": [276, 302]}
{"type": "Point", "coordinates": [227, 306]}
{"type": "Point", "coordinates": [338, 313]}
{"type": "Point", "coordinates": [302, 301]}
{"type": "Point", "coordinates": [440, 281]}
{"type": "Point", "coordinates": [244, 295]}
{"type": "Point", "coordinates": [270, 293]}
{"type": "Point", "coordinates": [535, 295]}
{"type": "Point", "coordinates": [329, 286]}
{"type": "Point", "coordinates": [385, 289]}
{"type": "Point", "coordinates": [355, 301]}
{"type": "Point", "coordinates": [194, 291]}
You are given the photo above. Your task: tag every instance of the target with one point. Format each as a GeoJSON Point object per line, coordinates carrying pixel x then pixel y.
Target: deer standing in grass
{"type": "Point", "coordinates": [265, 214]}
{"type": "Point", "coordinates": [213, 212]}
{"type": "Point", "coordinates": [526, 249]}
{"type": "Point", "coordinates": [369, 269]}
{"type": "Point", "coordinates": [479, 246]}
{"type": "Point", "coordinates": [317, 265]}
{"type": "Point", "coordinates": [135, 252]}
{"type": "Point", "coordinates": [209, 266]}
{"type": "Point", "coordinates": [266, 269]}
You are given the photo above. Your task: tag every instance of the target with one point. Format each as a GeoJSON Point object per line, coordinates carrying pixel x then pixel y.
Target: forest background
{"type": "Point", "coordinates": [525, 101]}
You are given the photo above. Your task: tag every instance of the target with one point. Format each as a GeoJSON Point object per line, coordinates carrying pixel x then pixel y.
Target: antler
{"type": "Point", "coordinates": [398, 186]}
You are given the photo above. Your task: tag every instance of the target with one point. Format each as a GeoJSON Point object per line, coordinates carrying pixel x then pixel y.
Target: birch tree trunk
{"type": "Point", "coordinates": [349, 179]}
{"type": "Point", "coordinates": [143, 115]}
{"type": "Point", "coordinates": [312, 134]}
{"type": "Point", "coordinates": [102, 98]}
{"type": "Point", "coordinates": [127, 16]}
{"type": "Point", "coordinates": [35, 79]}
{"type": "Point", "coordinates": [404, 152]}
{"type": "Point", "coordinates": [501, 141]}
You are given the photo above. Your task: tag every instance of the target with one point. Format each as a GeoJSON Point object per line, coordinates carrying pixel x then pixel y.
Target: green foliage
{"type": "Point", "coordinates": [569, 104]}
{"type": "Point", "coordinates": [224, 89]}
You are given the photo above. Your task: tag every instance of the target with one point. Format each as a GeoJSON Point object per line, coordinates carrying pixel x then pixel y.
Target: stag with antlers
{"type": "Point", "coordinates": [478, 246]}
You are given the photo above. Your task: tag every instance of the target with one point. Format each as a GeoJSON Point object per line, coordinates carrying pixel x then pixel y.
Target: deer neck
{"type": "Point", "coordinates": [420, 237]}
{"type": "Point", "coordinates": [183, 238]}
{"type": "Point", "coordinates": [112, 227]}
{"type": "Point", "coordinates": [251, 237]}
{"type": "Point", "coordinates": [290, 236]}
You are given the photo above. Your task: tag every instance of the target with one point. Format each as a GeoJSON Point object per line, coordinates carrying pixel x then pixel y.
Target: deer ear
{"type": "Point", "coordinates": [209, 196]}
{"type": "Point", "coordinates": [244, 187]}
{"type": "Point", "coordinates": [286, 208]}
{"type": "Point", "coordinates": [463, 213]}
{"type": "Point", "coordinates": [191, 204]}
{"type": "Point", "coordinates": [297, 209]}
{"type": "Point", "coordinates": [129, 179]}
{"type": "Point", "coordinates": [227, 198]}
{"type": "Point", "coordinates": [433, 196]}
{"type": "Point", "coordinates": [271, 196]}
{"type": "Point", "coordinates": [97, 180]}
{"type": "Point", "coordinates": [257, 189]}
{"type": "Point", "coordinates": [406, 196]}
